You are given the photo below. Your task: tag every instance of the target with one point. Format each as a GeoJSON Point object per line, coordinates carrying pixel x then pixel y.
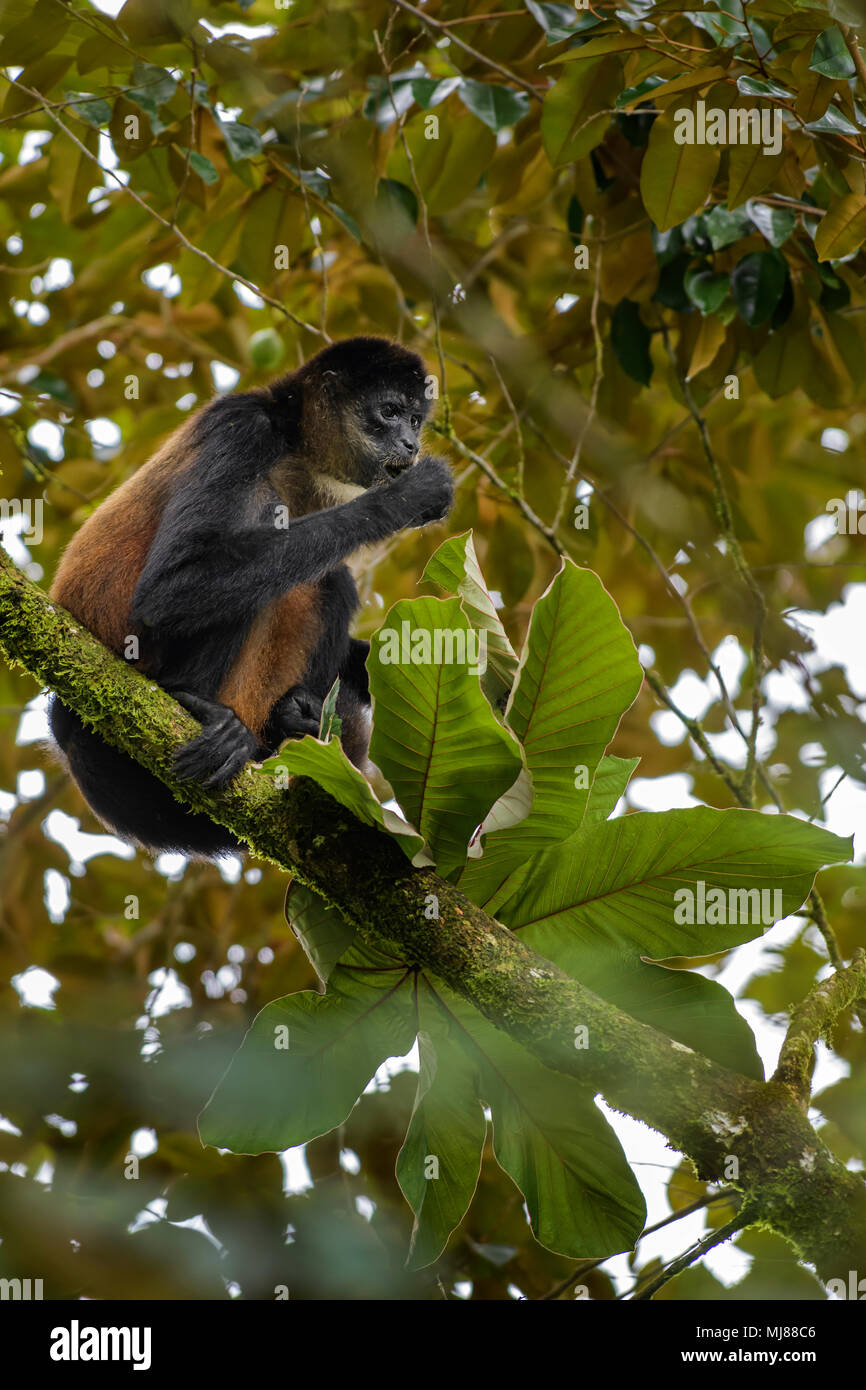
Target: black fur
{"type": "Point", "coordinates": [217, 559]}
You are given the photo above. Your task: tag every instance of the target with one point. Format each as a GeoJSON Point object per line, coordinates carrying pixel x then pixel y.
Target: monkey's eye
{"type": "Point", "coordinates": [415, 422]}
{"type": "Point", "coordinates": [390, 412]}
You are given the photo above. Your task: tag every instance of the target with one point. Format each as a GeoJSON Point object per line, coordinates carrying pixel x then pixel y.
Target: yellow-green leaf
{"type": "Point", "coordinates": [843, 229]}
{"type": "Point", "coordinates": [675, 180]}
{"type": "Point", "coordinates": [577, 110]}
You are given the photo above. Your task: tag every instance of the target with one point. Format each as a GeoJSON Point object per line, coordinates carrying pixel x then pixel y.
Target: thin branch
{"type": "Point", "coordinates": [588, 418]}
{"type": "Point", "coordinates": [726, 526]}
{"type": "Point", "coordinates": [436, 24]}
{"type": "Point", "coordinates": [518, 425]}
{"type": "Point", "coordinates": [490, 472]}
{"type": "Point", "coordinates": [305, 193]}
{"type": "Point", "coordinates": [853, 44]}
{"type": "Point", "coordinates": [697, 1252]}
{"type": "Point", "coordinates": [425, 223]}
{"type": "Point", "coordinates": [586, 1266]}
{"type": "Point", "coordinates": [163, 221]}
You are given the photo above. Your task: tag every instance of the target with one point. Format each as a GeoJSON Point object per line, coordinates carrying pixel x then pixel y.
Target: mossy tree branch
{"type": "Point", "coordinates": [789, 1180]}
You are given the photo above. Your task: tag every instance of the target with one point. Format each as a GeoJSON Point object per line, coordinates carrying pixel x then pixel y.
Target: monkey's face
{"type": "Point", "coordinates": [391, 422]}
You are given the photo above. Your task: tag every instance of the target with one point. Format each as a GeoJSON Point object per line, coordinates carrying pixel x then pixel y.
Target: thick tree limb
{"type": "Point", "coordinates": [789, 1179]}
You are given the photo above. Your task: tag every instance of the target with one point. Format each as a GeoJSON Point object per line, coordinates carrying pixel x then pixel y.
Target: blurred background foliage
{"type": "Point", "coordinates": [503, 194]}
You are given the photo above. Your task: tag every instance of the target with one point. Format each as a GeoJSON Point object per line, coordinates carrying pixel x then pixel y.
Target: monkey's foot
{"type": "Point", "coordinates": [223, 747]}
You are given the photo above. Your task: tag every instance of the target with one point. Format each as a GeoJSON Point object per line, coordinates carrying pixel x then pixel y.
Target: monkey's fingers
{"type": "Point", "coordinates": [217, 755]}
{"type": "Point", "coordinates": [227, 772]}
{"type": "Point", "coordinates": [205, 711]}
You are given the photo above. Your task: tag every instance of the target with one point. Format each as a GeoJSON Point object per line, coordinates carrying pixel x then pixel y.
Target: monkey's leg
{"type": "Point", "coordinates": [353, 671]}
{"type": "Point", "coordinates": [128, 800]}
{"type": "Point", "coordinates": [223, 747]}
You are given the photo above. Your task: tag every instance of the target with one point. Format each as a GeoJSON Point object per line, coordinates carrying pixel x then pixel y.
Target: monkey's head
{"type": "Point", "coordinates": [365, 404]}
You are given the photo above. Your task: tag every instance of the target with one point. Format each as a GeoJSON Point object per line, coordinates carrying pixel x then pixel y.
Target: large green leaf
{"type": "Point", "coordinates": [323, 932]}
{"type": "Point", "coordinates": [455, 568]}
{"type": "Point", "coordinates": [447, 1127]}
{"type": "Point", "coordinates": [578, 673]}
{"type": "Point", "coordinates": [608, 786]}
{"type": "Point", "coordinates": [447, 168]}
{"type": "Point", "coordinates": [328, 765]}
{"type": "Point", "coordinates": [308, 1057]}
{"type": "Point", "coordinates": [696, 1012]}
{"type": "Point", "coordinates": [615, 881]}
{"type": "Point", "coordinates": [435, 737]}
{"type": "Point", "coordinates": [551, 1138]}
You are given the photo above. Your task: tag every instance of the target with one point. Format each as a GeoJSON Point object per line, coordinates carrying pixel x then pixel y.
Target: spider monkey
{"type": "Point", "coordinates": [224, 556]}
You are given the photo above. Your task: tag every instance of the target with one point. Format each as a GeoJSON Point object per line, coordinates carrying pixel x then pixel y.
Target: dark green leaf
{"type": "Point", "coordinates": [832, 123]}
{"type": "Point", "coordinates": [670, 290]}
{"type": "Point", "coordinates": [757, 285]}
{"type": "Point", "coordinates": [430, 91]}
{"type": "Point", "coordinates": [323, 932]}
{"type": "Point", "coordinates": [348, 222]}
{"type": "Point", "coordinates": [243, 141]}
{"type": "Point", "coordinates": [574, 218]}
{"type": "Point", "coordinates": [706, 289]}
{"type": "Point", "coordinates": [435, 736]}
{"type": "Point", "coordinates": [96, 111]}
{"type": "Point", "coordinates": [830, 56]}
{"type": "Point", "coordinates": [695, 1011]}
{"type": "Point", "coordinates": [497, 107]}
{"type": "Point", "coordinates": [396, 201]}
{"type": "Point", "coordinates": [726, 227]}
{"type": "Point", "coordinates": [631, 341]}
{"type": "Point", "coordinates": [774, 224]}
{"type": "Point", "coordinates": [308, 1057]}
{"type": "Point", "coordinates": [760, 87]}
{"type": "Point", "coordinates": [202, 166]}
{"type": "Point", "coordinates": [561, 21]}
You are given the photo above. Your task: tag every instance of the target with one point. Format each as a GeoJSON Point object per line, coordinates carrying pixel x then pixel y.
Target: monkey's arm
{"type": "Point", "coordinates": [201, 574]}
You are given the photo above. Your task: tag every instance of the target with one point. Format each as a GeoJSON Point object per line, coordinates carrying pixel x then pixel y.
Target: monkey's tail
{"type": "Point", "coordinates": [129, 800]}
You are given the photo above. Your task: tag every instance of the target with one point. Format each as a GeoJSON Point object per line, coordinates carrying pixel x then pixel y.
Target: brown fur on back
{"type": "Point", "coordinates": [99, 570]}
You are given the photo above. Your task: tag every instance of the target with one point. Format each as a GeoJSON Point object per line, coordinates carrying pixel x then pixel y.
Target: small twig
{"type": "Point", "coordinates": [697, 1252]}
{"type": "Point", "coordinates": [726, 1195]}
{"type": "Point", "coordinates": [191, 142]}
{"type": "Point", "coordinates": [437, 24]}
{"type": "Point", "coordinates": [163, 221]}
{"type": "Point", "coordinates": [317, 241]}
{"type": "Point", "coordinates": [425, 223]}
{"type": "Point", "coordinates": [695, 730]}
{"type": "Point", "coordinates": [489, 472]}
{"type": "Point", "coordinates": [588, 418]}
{"type": "Point", "coordinates": [518, 425]}
{"type": "Point", "coordinates": [853, 45]}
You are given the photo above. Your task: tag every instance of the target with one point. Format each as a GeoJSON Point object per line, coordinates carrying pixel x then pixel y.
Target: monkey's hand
{"type": "Point", "coordinates": [297, 713]}
{"type": "Point", "coordinates": [425, 492]}
{"type": "Point", "coordinates": [222, 748]}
